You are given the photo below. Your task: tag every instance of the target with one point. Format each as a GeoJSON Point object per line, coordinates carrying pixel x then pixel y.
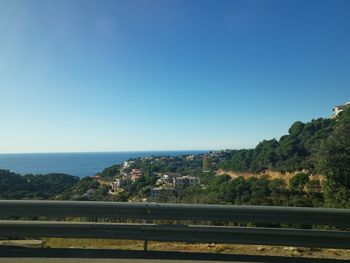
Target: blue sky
{"type": "Point", "coordinates": [167, 74]}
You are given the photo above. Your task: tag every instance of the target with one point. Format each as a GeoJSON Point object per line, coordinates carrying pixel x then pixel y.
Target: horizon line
{"type": "Point", "coordinates": [122, 151]}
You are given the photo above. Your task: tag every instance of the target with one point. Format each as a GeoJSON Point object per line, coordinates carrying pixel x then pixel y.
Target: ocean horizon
{"type": "Point", "coordinates": [74, 163]}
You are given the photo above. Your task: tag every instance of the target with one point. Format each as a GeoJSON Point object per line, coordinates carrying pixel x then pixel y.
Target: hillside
{"type": "Point", "coordinates": [310, 166]}
{"type": "Point", "coordinates": [295, 151]}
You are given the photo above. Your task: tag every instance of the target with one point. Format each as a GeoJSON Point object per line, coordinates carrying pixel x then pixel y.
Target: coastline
{"type": "Point", "coordinates": [80, 164]}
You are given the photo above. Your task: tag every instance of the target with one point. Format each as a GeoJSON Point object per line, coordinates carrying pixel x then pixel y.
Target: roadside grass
{"type": "Point", "coordinates": [189, 247]}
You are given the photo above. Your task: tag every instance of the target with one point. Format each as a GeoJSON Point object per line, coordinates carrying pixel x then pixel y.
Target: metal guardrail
{"type": "Point", "coordinates": [151, 211]}
{"type": "Point", "coordinates": [180, 233]}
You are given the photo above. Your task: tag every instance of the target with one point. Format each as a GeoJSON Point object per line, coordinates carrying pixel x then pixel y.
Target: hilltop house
{"type": "Point", "coordinates": [339, 109]}
{"type": "Point", "coordinates": [118, 183]}
{"type": "Point", "coordinates": [136, 174]}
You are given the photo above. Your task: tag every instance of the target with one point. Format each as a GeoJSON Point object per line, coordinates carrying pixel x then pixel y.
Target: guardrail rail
{"type": "Point", "coordinates": [150, 230]}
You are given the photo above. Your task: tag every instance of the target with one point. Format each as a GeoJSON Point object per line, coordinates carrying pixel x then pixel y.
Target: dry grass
{"type": "Point", "coordinates": [268, 175]}
{"type": "Point", "coordinates": [92, 243]}
{"type": "Point", "coordinates": [208, 248]}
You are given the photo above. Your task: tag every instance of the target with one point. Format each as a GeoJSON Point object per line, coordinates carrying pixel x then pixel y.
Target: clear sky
{"type": "Point", "coordinates": [167, 74]}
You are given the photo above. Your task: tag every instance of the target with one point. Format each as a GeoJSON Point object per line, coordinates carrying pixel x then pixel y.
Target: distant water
{"type": "Point", "coordinates": [79, 164]}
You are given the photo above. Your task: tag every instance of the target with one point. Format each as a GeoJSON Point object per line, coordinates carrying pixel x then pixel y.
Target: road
{"type": "Point", "coordinates": [44, 260]}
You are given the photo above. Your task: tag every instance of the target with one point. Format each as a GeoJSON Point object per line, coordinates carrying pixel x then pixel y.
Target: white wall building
{"type": "Point", "coordinates": [169, 177]}
{"type": "Point", "coordinates": [339, 109]}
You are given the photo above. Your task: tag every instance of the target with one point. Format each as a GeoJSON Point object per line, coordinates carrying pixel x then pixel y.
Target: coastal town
{"type": "Point", "coordinates": [167, 178]}
{"type": "Point", "coordinates": [168, 183]}
{"type": "Point", "coordinates": [285, 171]}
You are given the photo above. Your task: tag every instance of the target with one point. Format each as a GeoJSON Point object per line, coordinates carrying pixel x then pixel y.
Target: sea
{"type": "Point", "coordinates": [77, 164]}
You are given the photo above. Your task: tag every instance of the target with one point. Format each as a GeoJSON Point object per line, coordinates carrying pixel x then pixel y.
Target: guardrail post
{"type": "Point", "coordinates": [148, 221]}
{"type": "Point", "coordinates": [145, 242]}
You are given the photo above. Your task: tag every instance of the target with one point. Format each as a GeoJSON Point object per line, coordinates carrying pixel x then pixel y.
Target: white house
{"type": "Point", "coordinates": [118, 183]}
{"type": "Point", "coordinates": [169, 177]}
{"type": "Point", "coordinates": [339, 109]}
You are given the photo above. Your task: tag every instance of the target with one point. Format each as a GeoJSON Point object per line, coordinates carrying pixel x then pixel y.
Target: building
{"type": "Point", "coordinates": [184, 181]}
{"type": "Point", "coordinates": [113, 186]}
{"type": "Point", "coordinates": [118, 183]}
{"type": "Point", "coordinates": [136, 174]}
{"type": "Point", "coordinates": [339, 109]}
{"type": "Point", "coordinates": [169, 177]}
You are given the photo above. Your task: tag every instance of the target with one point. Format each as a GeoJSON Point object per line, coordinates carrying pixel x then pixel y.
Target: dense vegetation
{"type": "Point", "coordinates": [167, 164]}
{"type": "Point", "coordinates": [15, 186]}
{"type": "Point", "coordinates": [293, 152]}
{"type": "Point", "coordinates": [51, 186]}
{"type": "Point", "coordinates": [256, 191]}
{"type": "Point", "coordinates": [333, 160]}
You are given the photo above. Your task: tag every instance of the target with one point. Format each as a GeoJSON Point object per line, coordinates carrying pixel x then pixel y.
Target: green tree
{"type": "Point", "coordinates": [206, 163]}
{"type": "Point", "coordinates": [278, 192]}
{"type": "Point", "coordinates": [110, 172]}
{"type": "Point", "coordinates": [299, 181]}
{"type": "Point", "coordinates": [334, 163]}
{"type": "Point", "coordinates": [334, 154]}
{"type": "Point", "coordinates": [260, 192]}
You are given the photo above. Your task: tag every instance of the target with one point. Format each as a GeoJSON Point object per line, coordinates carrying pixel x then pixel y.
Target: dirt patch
{"type": "Point", "coordinates": [22, 243]}
{"type": "Point", "coordinates": [208, 248]}
{"type": "Point", "coordinates": [268, 175]}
